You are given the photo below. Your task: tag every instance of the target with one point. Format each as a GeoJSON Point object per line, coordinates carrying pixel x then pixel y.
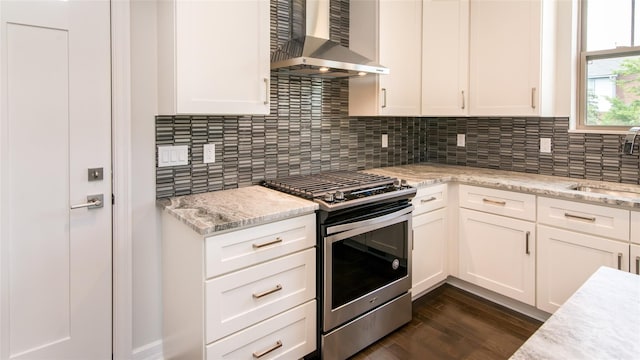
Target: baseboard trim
{"type": "Point", "coordinates": [151, 351]}
{"type": "Point", "coordinates": [502, 300]}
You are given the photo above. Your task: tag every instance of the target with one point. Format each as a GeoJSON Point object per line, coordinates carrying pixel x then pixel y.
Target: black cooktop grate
{"type": "Point", "coordinates": [313, 186]}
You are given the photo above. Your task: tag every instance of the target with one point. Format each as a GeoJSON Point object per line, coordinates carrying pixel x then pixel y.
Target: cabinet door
{"type": "Point", "coordinates": [222, 57]}
{"type": "Point", "coordinates": [566, 259]}
{"type": "Point", "coordinates": [498, 253]}
{"type": "Point", "coordinates": [429, 265]}
{"type": "Point", "coordinates": [635, 259]}
{"type": "Point", "coordinates": [388, 32]}
{"type": "Point", "coordinates": [505, 57]}
{"type": "Point", "coordinates": [635, 227]}
{"type": "Point", "coordinates": [445, 57]}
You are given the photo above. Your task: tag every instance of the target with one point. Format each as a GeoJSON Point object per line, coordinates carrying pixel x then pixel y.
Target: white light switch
{"type": "Point", "coordinates": [545, 145]}
{"type": "Point", "coordinates": [385, 140]}
{"type": "Point", "coordinates": [173, 155]}
{"type": "Point", "coordinates": [461, 140]}
{"type": "Point", "coordinates": [209, 151]}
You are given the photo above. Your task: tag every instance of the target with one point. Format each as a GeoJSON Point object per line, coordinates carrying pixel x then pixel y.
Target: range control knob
{"type": "Point", "coordinates": [328, 197]}
{"type": "Point", "coordinates": [339, 195]}
{"type": "Point", "coordinates": [396, 183]}
{"type": "Point", "coordinates": [403, 183]}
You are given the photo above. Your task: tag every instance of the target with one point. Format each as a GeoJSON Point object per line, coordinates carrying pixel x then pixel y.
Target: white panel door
{"type": "Point", "coordinates": [429, 261]}
{"type": "Point", "coordinates": [504, 48]}
{"type": "Point", "coordinates": [445, 57]}
{"type": "Point", "coordinates": [498, 253]}
{"type": "Point", "coordinates": [55, 124]}
{"type": "Point", "coordinates": [566, 259]}
{"type": "Point", "coordinates": [635, 259]}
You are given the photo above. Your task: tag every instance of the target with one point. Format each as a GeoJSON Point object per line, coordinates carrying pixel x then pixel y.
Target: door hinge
{"type": "Point", "coordinates": [113, 199]}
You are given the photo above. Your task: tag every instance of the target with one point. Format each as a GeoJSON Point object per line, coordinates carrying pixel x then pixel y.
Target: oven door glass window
{"type": "Point", "coordinates": [364, 263]}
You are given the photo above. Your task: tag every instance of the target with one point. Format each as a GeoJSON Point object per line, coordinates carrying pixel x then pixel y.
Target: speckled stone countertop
{"type": "Point", "coordinates": [420, 175]}
{"type": "Point", "coordinates": [212, 212]}
{"type": "Point", "coordinates": [600, 321]}
{"type": "Point", "coordinates": [218, 211]}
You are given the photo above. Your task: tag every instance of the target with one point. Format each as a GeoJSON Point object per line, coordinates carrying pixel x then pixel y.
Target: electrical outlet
{"type": "Point", "coordinates": [545, 145]}
{"type": "Point", "coordinates": [461, 140]}
{"type": "Point", "coordinates": [385, 140]}
{"type": "Point", "coordinates": [209, 151]}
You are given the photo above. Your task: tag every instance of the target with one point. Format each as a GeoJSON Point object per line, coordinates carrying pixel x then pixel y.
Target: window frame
{"type": "Point", "coordinates": [585, 56]}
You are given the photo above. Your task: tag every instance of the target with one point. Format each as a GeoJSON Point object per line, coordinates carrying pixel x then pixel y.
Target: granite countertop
{"type": "Point", "coordinates": [600, 321]}
{"type": "Point", "coordinates": [420, 175]}
{"type": "Point", "coordinates": [218, 211]}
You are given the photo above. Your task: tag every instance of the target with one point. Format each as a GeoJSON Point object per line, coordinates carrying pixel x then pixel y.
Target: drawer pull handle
{"type": "Point", "coordinates": [619, 261]}
{"type": "Point", "coordinates": [527, 243]}
{"type": "Point", "coordinates": [262, 353]}
{"type": "Point", "coordinates": [494, 202]}
{"type": "Point", "coordinates": [423, 201]}
{"type": "Point", "coordinates": [585, 218]}
{"type": "Point", "coordinates": [277, 240]}
{"type": "Point", "coordinates": [265, 293]}
{"type": "Point", "coordinates": [637, 265]}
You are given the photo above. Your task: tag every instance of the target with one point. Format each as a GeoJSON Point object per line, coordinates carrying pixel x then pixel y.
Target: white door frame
{"type": "Point", "coordinates": [121, 164]}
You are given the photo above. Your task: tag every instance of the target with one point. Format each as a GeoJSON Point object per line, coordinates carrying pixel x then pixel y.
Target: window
{"type": "Point", "coordinates": [610, 64]}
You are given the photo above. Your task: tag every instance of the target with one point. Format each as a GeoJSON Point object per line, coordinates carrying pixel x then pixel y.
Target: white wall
{"type": "Point", "coordinates": [147, 270]}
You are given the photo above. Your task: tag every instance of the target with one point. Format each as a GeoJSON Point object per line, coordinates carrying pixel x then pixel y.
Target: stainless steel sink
{"type": "Point", "coordinates": [607, 191]}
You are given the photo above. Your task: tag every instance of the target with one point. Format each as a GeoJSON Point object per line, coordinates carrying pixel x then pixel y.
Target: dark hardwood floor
{"type": "Point", "coordinates": [449, 323]}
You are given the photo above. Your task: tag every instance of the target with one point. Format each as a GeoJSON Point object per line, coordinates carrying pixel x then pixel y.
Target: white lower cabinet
{"type": "Point", "coordinates": [429, 265]}
{"type": "Point", "coordinates": [498, 253]}
{"type": "Point", "coordinates": [635, 259]}
{"type": "Point", "coordinates": [566, 259]}
{"type": "Point", "coordinates": [241, 294]}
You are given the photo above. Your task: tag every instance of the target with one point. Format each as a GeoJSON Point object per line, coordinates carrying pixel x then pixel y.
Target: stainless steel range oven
{"type": "Point", "coordinates": [364, 247]}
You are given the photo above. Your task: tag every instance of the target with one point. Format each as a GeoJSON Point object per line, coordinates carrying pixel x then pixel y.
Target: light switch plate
{"type": "Point", "coordinates": [385, 140]}
{"type": "Point", "coordinates": [209, 151]}
{"type": "Point", "coordinates": [545, 145]}
{"type": "Point", "coordinates": [173, 155]}
{"type": "Point", "coordinates": [461, 140]}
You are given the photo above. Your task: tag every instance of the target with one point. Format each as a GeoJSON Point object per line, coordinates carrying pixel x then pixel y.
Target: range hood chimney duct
{"type": "Point", "coordinates": [310, 52]}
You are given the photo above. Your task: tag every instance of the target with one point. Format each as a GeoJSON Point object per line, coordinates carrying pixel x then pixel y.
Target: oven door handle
{"type": "Point", "coordinates": [369, 222]}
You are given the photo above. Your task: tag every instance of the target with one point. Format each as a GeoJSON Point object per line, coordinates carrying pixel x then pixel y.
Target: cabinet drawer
{"type": "Point", "coordinates": [290, 335]}
{"type": "Point", "coordinates": [238, 249]}
{"type": "Point", "coordinates": [586, 218]}
{"type": "Point", "coordinates": [429, 199]}
{"type": "Point", "coordinates": [635, 227]}
{"type": "Point", "coordinates": [499, 202]}
{"type": "Point", "coordinates": [246, 297]}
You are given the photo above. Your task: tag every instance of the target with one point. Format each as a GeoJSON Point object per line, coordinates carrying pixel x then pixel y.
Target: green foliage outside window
{"type": "Point", "coordinates": [623, 111]}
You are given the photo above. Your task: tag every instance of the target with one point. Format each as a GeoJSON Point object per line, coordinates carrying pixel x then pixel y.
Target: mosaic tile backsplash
{"type": "Point", "coordinates": [309, 131]}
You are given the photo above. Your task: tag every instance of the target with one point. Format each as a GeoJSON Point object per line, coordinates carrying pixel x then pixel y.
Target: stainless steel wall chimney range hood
{"type": "Point", "coordinates": [310, 53]}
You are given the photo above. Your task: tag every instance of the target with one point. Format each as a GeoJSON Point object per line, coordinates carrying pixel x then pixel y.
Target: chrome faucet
{"type": "Point", "coordinates": [630, 140]}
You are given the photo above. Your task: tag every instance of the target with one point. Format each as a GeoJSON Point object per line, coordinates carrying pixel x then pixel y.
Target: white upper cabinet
{"type": "Point", "coordinates": [213, 57]}
{"type": "Point", "coordinates": [445, 57]}
{"type": "Point", "coordinates": [389, 33]}
{"type": "Point", "coordinates": [505, 57]}
{"type": "Point", "coordinates": [488, 58]}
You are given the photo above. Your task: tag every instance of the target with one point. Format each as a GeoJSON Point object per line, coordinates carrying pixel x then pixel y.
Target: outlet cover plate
{"type": "Point", "coordinates": [173, 155]}
{"type": "Point", "coordinates": [385, 140]}
{"type": "Point", "coordinates": [209, 151]}
{"type": "Point", "coordinates": [545, 145]}
{"type": "Point", "coordinates": [461, 140]}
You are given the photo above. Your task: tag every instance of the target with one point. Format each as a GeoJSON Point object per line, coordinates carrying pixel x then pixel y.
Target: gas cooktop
{"type": "Point", "coordinates": [343, 189]}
